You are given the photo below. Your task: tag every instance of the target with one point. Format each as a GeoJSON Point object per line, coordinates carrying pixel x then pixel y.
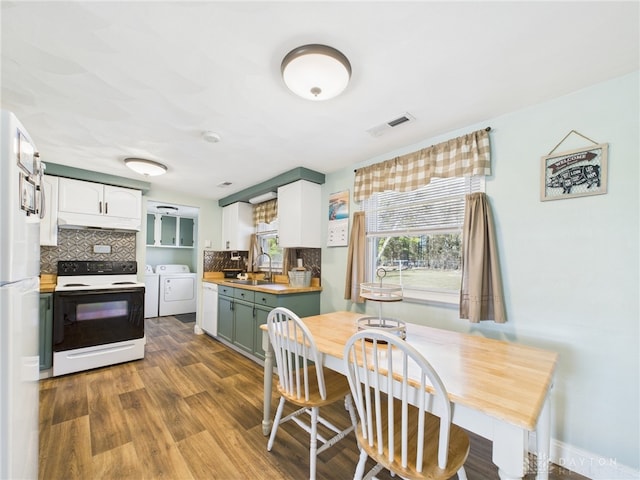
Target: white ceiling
{"type": "Point", "coordinates": [95, 82]}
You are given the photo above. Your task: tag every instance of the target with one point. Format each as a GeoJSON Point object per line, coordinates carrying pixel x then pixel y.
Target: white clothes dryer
{"type": "Point", "coordinates": [151, 292]}
{"type": "Point", "coordinates": [177, 290]}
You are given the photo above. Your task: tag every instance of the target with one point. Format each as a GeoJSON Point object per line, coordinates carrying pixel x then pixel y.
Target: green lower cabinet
{"type": "Point", "coordinates": [302, 304]}
{"type": "Point", "coordinates": [46, 331]}
{"type": "Point", "coordinates": [225, 317]}
{"type": "Point", "coordinates": [242, 311]}
{"type": "Point", "coordinates": [261, 319]}
{"type": "Point", "coordinates": [243, 334]}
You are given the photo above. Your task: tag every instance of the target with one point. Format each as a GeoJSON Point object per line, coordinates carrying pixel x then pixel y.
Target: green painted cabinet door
{"type": "Point", "coordinates": [151, 229]}
{"type": "Point", "coordinates": [225, 317]}
{"type": "Point", "coordinates": [244, 333]}
{"type": "Point", "coordinates": [46, 330]}
{"type": "Point", "coordinates": [261, 319]}
{"type": "Point", "coordinates": [186, 232]}
{"type": "Point", "coordinates": [168, 230]}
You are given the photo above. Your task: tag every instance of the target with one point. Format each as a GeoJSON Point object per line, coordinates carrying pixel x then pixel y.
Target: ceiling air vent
{"type": "Point", "coordinates": [396, 122]}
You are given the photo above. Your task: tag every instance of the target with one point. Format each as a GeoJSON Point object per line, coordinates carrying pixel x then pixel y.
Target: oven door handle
{"type": "Point", "coordinates": [81, 293]}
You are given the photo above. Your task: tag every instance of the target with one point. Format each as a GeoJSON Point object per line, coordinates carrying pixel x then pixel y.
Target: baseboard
{"type": "Point", "coordinates": [590, 465]}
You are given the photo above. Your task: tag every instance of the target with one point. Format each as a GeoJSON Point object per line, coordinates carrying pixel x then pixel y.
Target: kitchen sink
{"type": "Point", "coordinates": [252, 282]}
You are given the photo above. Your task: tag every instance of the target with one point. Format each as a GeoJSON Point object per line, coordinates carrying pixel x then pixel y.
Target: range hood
{"type": "Point", "coordinates": [83, 220]}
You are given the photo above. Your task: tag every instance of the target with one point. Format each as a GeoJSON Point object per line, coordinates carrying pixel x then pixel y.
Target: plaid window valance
{"type": "Point", "coordinates": [459, 157]}
{"type": "Point", "coordinates": [265, 212]}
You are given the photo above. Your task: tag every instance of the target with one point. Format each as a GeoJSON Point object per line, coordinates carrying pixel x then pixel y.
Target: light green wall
{"type": "Point", "coordinates": [570, 267]}
{"type": "Point", "coordinates": [180, 256]}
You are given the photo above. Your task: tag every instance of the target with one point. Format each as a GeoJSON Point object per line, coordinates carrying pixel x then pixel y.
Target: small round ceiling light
{"type": "Point", "coordinates": [145, 167]}
{"type": "Point", "coordinates": [316, 72]}
{"type": "Point", "coordinates": [211, 137]}
{"type": "Point", "coordinates": [167, 209]}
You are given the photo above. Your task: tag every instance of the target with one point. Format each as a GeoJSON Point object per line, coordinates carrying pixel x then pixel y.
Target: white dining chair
{"type": "Point", "coordinates": [304, 382]}
{"type": "Point", "coordinates": [396, 428]}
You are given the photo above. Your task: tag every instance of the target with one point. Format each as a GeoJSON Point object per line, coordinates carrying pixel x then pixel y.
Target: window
{"type": "Point", "coordinates": [416, 237]}
{"type": "Point", "coordinates": [267, 237]}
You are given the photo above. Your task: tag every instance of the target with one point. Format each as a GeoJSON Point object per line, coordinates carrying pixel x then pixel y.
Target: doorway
{"type": "Point", "coordinates": [171, 234]}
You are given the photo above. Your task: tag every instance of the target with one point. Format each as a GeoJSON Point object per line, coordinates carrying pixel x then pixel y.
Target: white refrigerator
{"type": "Point", "coordinates": [21, 205]}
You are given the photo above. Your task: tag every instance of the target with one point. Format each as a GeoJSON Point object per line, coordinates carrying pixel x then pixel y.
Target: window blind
{"type": "Point", "coordinates": [436, 207]}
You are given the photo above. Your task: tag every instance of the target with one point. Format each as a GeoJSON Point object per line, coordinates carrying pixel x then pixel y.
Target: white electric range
{"type": "Point", "coordinates": [98, 315]}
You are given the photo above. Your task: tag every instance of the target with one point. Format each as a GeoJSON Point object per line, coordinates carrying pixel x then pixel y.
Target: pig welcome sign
{"type": "Point", "coordinates": [576, 173]}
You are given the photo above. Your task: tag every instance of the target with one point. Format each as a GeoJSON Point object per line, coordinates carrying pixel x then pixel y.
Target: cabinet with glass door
{"type": "Point", "coordinates": [170, 231]}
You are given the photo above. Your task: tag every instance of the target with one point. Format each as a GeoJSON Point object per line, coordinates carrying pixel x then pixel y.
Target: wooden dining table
{"type": "Point", "coordinates": [499, 390]}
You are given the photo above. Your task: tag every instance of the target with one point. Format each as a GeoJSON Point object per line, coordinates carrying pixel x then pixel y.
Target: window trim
{"type": "Point", "coordinates": [264, 263]}
{"type": "Point", "coordinates": [412, 294]}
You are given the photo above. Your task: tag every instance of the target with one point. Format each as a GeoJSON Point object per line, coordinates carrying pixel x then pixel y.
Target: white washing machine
{"type": "Point", "coordinates": [177, 290]}
{"type": "Point", "coordinates": [151, 292]}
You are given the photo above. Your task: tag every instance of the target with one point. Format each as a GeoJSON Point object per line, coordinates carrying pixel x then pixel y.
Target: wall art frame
{"type": "Point", "coordinates": [338, 225]}
{"type": "Point", "coordinates": [575, 173]}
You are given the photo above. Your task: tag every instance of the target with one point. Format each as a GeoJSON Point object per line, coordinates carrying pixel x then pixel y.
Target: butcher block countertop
{"type": "Point", "coordinates": [47, 283]}
{"type": "Point", "coordinates": [280, 287]}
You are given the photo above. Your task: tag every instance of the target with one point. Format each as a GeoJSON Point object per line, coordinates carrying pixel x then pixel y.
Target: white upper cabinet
{"type": "Point", "coordinates": [122, 202]}
{"type": "Point", "coordinates": [237, 226]}
{"type": "Point", "coordinates": [92, 204]}
{"type": "Point", "coordinates": [49, 223]}
{"type": "Point", "coordinates": [299, 214]}
{"type": "Point", "coordinates": [76, 196]}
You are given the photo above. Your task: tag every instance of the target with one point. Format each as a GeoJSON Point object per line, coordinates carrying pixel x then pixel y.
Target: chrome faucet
{"type": "Point", "coordinates": [270, 274]}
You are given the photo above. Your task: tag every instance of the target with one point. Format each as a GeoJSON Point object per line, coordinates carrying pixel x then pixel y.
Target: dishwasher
{"type": "Point", "coordinates": [210, 308]}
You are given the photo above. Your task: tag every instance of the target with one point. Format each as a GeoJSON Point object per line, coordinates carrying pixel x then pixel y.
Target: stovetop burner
{"type": "Point", "coordinates": [88, 274]}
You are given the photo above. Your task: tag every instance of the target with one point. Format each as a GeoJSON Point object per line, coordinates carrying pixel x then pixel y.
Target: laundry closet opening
{"type": "Point", "coordinates": [171, 259]}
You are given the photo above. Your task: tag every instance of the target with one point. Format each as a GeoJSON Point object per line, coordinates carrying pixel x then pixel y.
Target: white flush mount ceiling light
{"type": "Point", "coordinates": [145, 167]}
{"type": "Point", "coordinates": [166, 209]}
{"type": "Point", "coordinates": [316, 72]}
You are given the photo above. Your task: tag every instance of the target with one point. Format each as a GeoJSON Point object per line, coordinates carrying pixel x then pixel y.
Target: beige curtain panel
{"type": "Point", "coordinates": [355, 259]}
{"type": "Point", "coordinates": [481, 296]}
{"type": "Point", "coordinates": [265, 212]}
{"type": "Point", "coordinates": [459, 157]}
{"type": "Point", "coordinates": [289, 260]}
{"type": "Point", "coordinates": [254, 251]}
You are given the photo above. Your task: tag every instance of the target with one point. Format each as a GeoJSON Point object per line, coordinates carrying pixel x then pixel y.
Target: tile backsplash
{"type": "Point", "coordinates": [77, 244]}
{"type": "Point", "coordinates": [311, 259]}
{"type": "Point", "coordinates": [216, 261]}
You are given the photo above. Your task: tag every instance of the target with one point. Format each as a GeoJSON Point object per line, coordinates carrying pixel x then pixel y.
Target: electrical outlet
{"type": "Point", "coordinates": [102, 249]}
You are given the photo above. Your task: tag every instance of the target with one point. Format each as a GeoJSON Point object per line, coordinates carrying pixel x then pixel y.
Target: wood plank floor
{"type": "Point", "coordinates": [191, 409]}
